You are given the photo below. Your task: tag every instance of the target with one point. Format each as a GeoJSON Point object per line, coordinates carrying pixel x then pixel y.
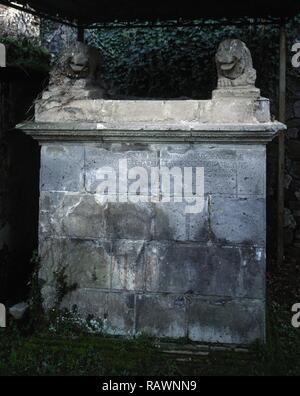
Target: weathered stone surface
{"type": "Point", "coordinates": [87, 216]}
{"type": "Point", "coordinates": [128, 265]}
{"type": "Point", "coordinates": [131, 221]}
{"type": "Point", "coordinates": [62, 168]}
{"type": "Point", "coordinates": [235, 66]}
{"type": "Point", "coordinates": [147, 133]}
{"type": "Point", "coordinates": [113, 311]}
{"type": "Point", "coordinates": [236, 107]}
{"type": "Point", "coordinates": [262, 111]}
{"type": "Point", "coordinates": [88, 302]}
{"type": "Point", "coordinates": [48, 295]}
{"type": "Point", "coordinates": [73, 215]}
{"type": "Point", "coordinates": [121, 251]}
{"type": "Point", "coordinates": [85, 263]}
{"type": "Point", "coordinates": [161, 315]}
{"type": "Point", "coordinates": [173, 223]}
{"type": "Point", "coordinates": [131, 247]}
{"type": "Point", "coordinates": [18, 311]}
{"type": "Point", "coordinates": [120, 314]}
{"type": "Point", "coordinates": [115, 162]}
{"type": "Point", "coordinates": [251, 171]}
{"type": "Point", "coordinates": [154, 266]}
{"type": "Point", "coordinates": [210, 271]}
{"type": "Point", "coordinates": [219, 163]}
{"type": "Point", "coordinates": [226, 321]}
{"type": "Point", "coordinates": [238, 221]}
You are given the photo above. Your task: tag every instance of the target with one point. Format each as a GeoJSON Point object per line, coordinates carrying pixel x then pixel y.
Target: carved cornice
{"type": "Point", "coordinates": [152, 133]}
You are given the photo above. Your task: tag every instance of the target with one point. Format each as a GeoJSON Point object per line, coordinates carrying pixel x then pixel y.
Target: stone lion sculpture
{"type": "Point", "coordinates": [77, 75]}
{"type": "Point", "coordinates": [79, 61]}
{"type": "Point", "coordinates": [234, 65]}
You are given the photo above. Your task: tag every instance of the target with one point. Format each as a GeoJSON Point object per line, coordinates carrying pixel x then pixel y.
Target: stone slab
{"type": "Point", "coordinates": [62, 168]}
{"type": "Point", "coordinates": [226, 321]}
{"type": "Point", "coordinates": [205, 270]}
{"type": "Point", "coordinates": [83, 263]}
{"type": "Point", "coordinates": [161, 316]}
{"type": "Point", "coordinates": [238, 221]}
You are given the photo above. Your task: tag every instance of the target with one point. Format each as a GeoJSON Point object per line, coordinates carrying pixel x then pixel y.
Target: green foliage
{"type": "Point", "coordinates": [179, 62]}
{"type": "Point", "coordinates": [62, 347]}
{"type": "Point", "coordinates": [47, 353]}
{"type": "Point", "coordinates": [36, 311]}
{"type": "Point", "coordinates": [26, 54]}
{"type": "Point", "coordinates": [62, 286]}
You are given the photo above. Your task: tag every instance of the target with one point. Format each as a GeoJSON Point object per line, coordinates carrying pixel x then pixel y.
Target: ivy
{"type": "Point", "coordinates": [26, 54]}
{"type": "Point", "coordinates": [176, 62]}
{"type": "Point", "coordinates": [179, 62]}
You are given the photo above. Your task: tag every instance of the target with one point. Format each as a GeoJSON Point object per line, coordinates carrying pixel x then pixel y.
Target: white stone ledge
{"type": "Point", "coordinates": [246, 133]}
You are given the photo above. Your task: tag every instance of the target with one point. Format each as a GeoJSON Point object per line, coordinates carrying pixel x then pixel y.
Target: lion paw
{"type": "Point", "coordinates": [224, 82]}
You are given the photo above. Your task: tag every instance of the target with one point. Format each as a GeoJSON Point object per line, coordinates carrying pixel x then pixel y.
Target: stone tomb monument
{"type": "Point", "coordinates": [154, 211]}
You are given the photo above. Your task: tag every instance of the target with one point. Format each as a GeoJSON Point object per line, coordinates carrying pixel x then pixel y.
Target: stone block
{"type": "Point", "coordinates": [19, 310]}
{"type": "Point", "coordinates": [205, 270]}
{"type": "Point", "coordinates": [155, 111]}
{"type": "Point", "coordinates": [84, 263]}
{"type": "Point", "coordinates": [226, 321]}
{"type": "Point", "coordinates": [73, 215]}
{"type": "Point", "coordinates": [161, 315]}
{"type": "Point", "coordinates": [114, 312]}
{"type": "Point", "coordinates": [128, 265]}
{"type": "Point", "coordinates": [219, 163]}
{"type": "Point", "coordinates": [172, 222]}
{"type": "Point", "coordinates": [238, 221]}
{"type": "Point", "coordinates": [88, 303]}
{"type": "Point", "coordinates": [239, 110]}
{"type": "Point", "coordinates": [120, 314]}
{"type": "Point", "coordinates": [87, 216]}
{"type": "Point", "coordinates": [62, 167]}
{"type": "Point", "coordinates": [131, 221]}
{"type": "Point", "coordinates": [117, 166]}
{"type": "Point", "coordinates": [251, 171]}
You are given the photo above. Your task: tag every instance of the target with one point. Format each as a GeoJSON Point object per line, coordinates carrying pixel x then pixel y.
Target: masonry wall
{"type": "Point", "coordinates": [151, 268]}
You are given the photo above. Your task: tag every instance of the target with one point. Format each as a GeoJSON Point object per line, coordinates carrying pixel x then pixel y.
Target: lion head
{"type": "Point", "coordinates": [233, 59]}
{"type": "Point", "coordinates": [78, 62]}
